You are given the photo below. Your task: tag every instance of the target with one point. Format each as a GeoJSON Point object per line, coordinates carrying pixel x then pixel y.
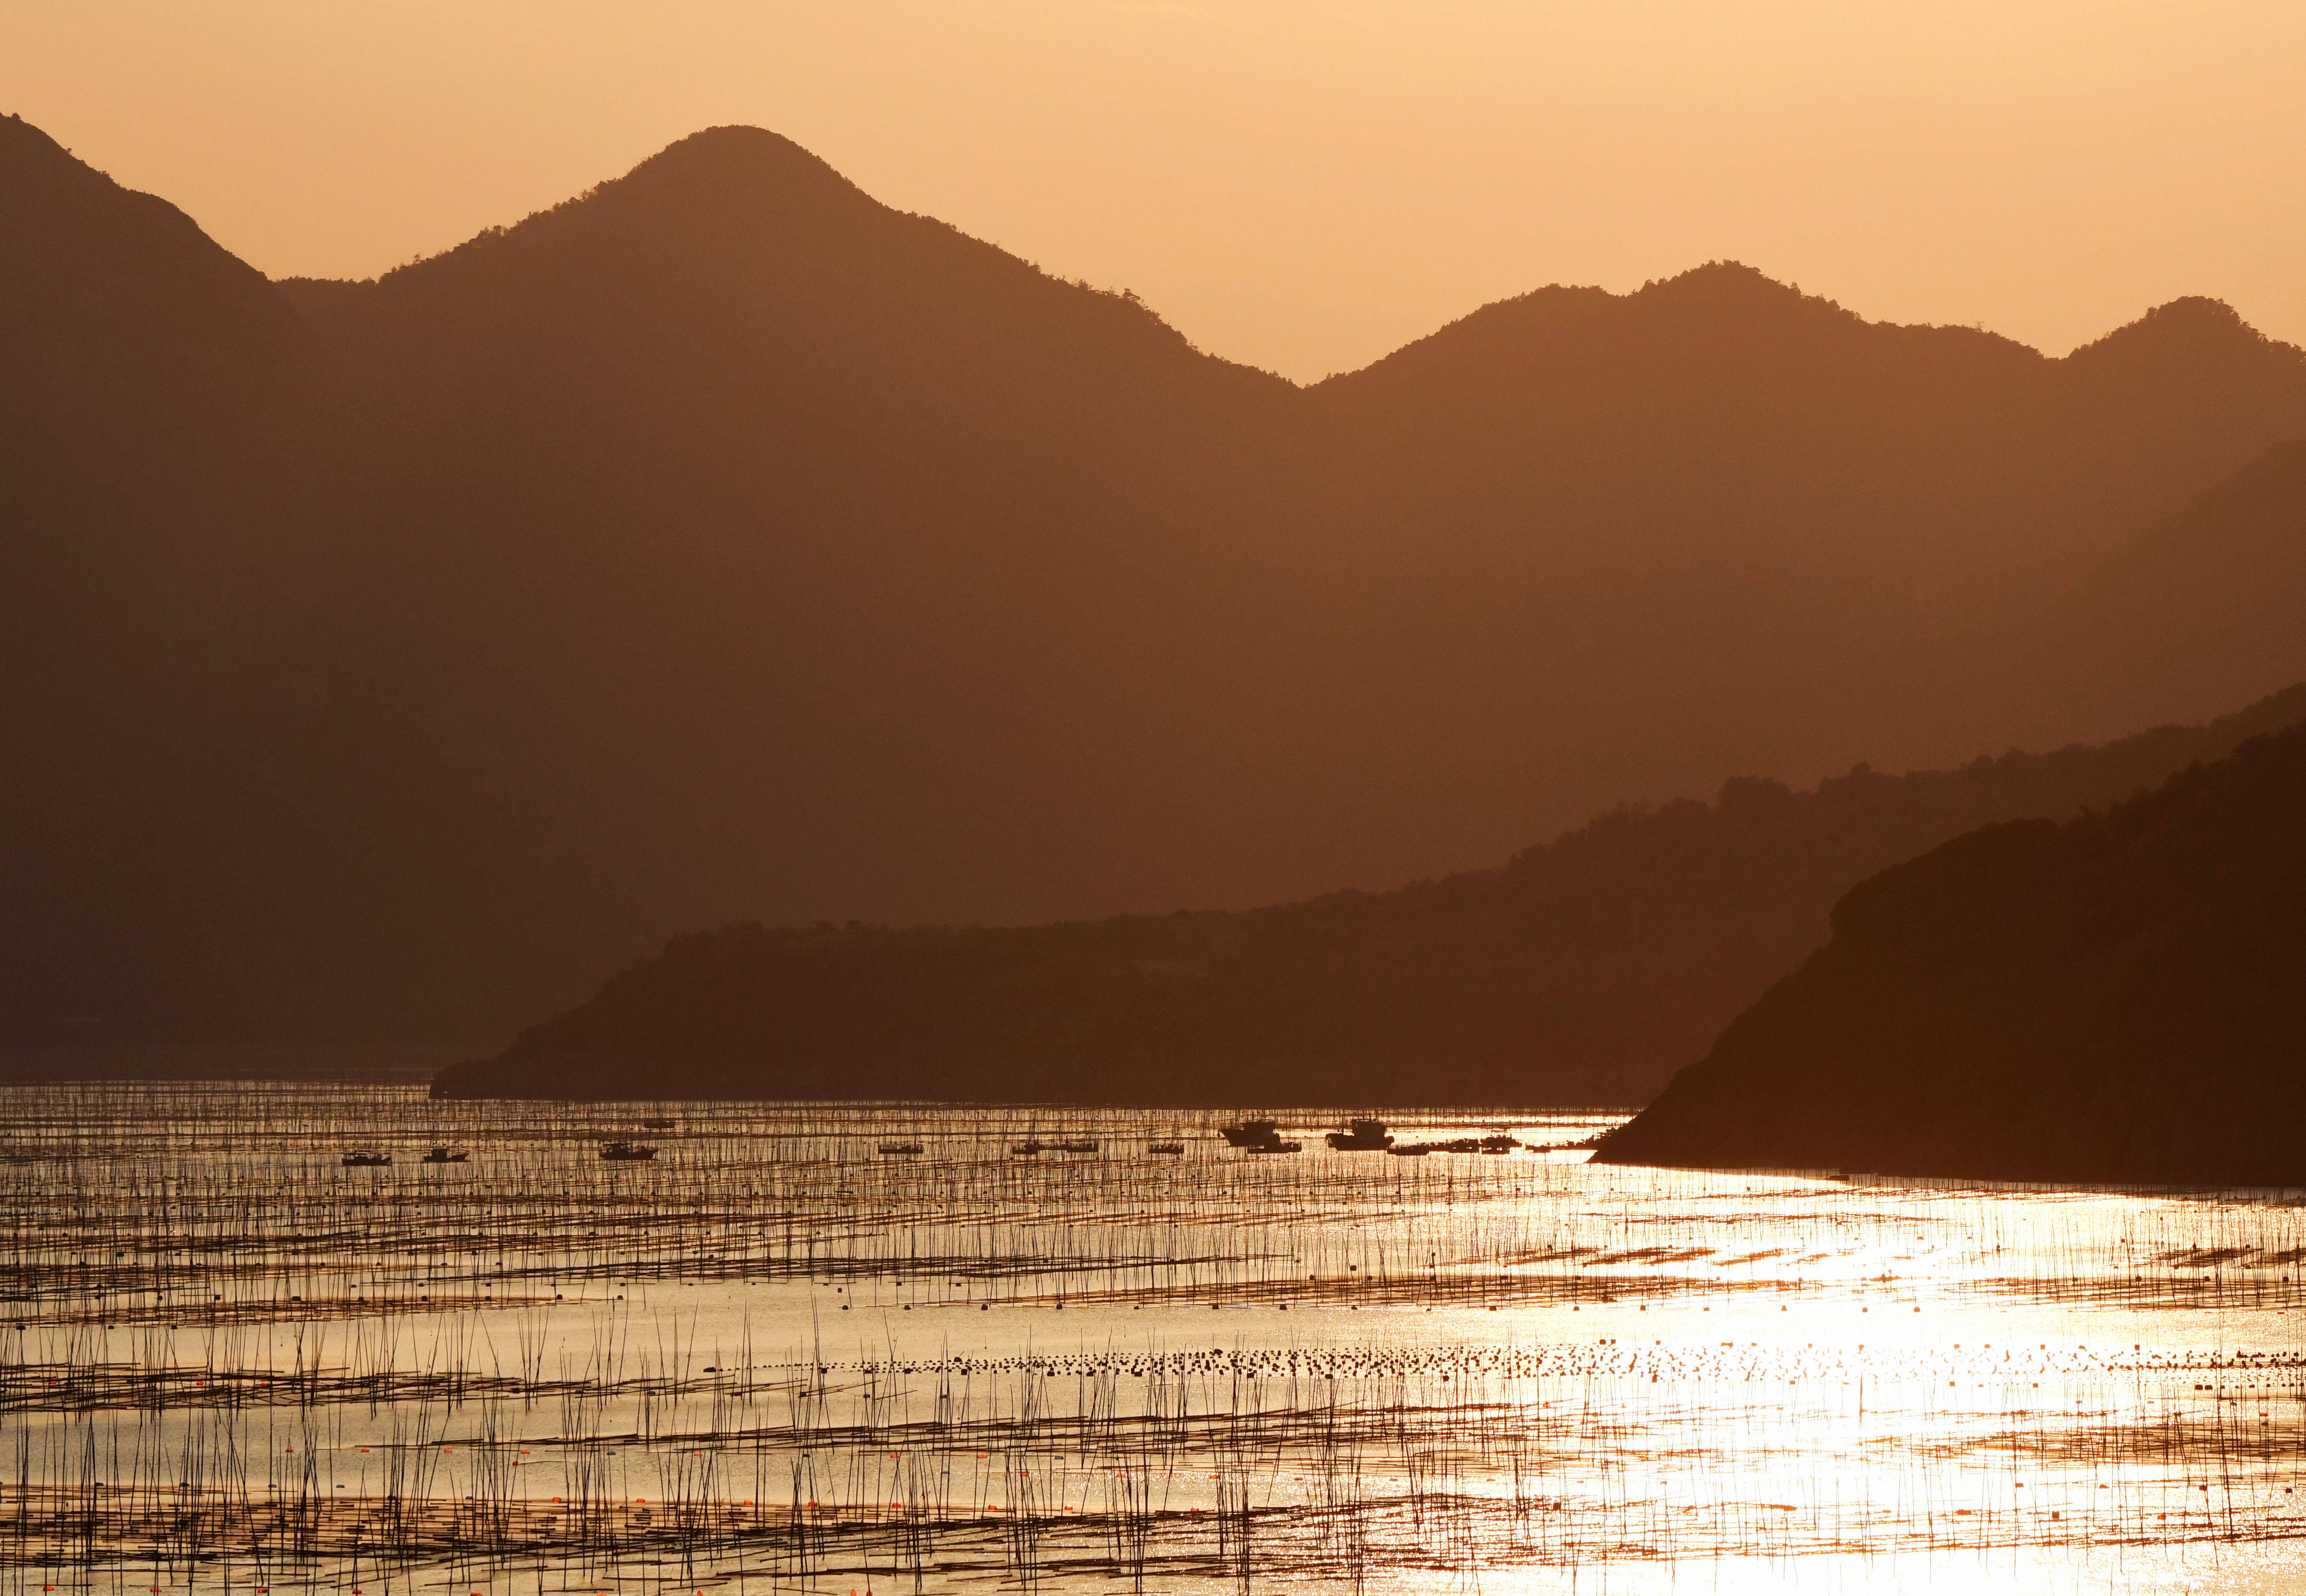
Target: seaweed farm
{"type": "Point", "coordinates": [268, 1338]}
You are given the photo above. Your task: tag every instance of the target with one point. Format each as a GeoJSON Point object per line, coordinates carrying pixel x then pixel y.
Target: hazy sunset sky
{"type": "Point", "coordinates": [1301, 184]}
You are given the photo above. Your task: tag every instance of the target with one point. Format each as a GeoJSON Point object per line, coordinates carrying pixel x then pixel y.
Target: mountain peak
{"type": "Point", "coordinates": [2183, 333]}
{"type": "Point", "coordinates": [725, 175]}
{"type": "Point", "coordinates": [723, 162]}
{"type": "Point", "coordinates": [1731, 293]}
{"type": "Point", "coordinates": [720, 185]}
{"type": "Point", "coordinates": [1721, 279]}
{"type": "Point", "coordinates": [102, 285]}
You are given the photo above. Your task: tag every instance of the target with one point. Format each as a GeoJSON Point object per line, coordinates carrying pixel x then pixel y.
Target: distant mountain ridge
{"type": "Point", "coordinates": [2118, 998]}
{"type": "Point", "coordinates": [721, 544]}
{"type": "Point", "coordinates": [1588, 968]}
{"type": "Point", "coordinates": [1992, 473]}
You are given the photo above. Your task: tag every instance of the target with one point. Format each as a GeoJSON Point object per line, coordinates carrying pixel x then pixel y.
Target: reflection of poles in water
{"type": "Point", "coordinates": [425, 1301]}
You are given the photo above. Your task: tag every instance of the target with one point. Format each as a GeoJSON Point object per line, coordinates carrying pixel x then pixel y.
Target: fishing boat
{"type": "Point", "coordinates": [443, 1155]}
{"type": "Point", "coordinates": [1361, 1136]}
{"type": "Point", "coordinates": [1076, 1147]}
{"type": "Point", "coordinates": [367, 1158]}
{"type": "Point", "coordinates": [1170, 1149]}
{"type": "Point", "coordinates": [1028, 1149]}
{"type": "Point", "coordinates": [898, 1149]}
{"type": "Point", "coordinates": [658, 1124]}
{"type": "Point", "coordinates": [627, 1152]}
{"type": "Point", "coordinates": [1258, 1136]}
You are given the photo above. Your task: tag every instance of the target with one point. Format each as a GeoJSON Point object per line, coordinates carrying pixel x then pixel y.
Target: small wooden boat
{"type": "Point", "coordinates": [898, 1149]}
{"type": "Point", "coordinates": [1169, 1148]}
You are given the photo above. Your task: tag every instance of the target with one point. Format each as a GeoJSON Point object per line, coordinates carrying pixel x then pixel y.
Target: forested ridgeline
{"type": "Point", "coordinates": [2120, 997]}
{"type": "Point", "coordinates": [1586, 968]}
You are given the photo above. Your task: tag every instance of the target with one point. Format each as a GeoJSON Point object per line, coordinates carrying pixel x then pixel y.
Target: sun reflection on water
{"type": "Point", "coordinates": [789, 1351]}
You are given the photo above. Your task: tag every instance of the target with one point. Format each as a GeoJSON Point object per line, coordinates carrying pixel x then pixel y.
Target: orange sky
{"type": "Point", "coordinates": [1303, 184]}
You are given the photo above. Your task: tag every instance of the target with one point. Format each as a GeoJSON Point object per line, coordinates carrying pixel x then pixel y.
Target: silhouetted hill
{"type": "Point", "coordinates": [883, 575]}
{"type": "Point", "coordinates": [1718, 424]}
{"type": "Point", "coordinates": [165, 451]}
{"type": "Point", "coordinates": [1760, 528]}
{"type": "Point", "coordinates": [1986, 477]}
{"type": "Point", "coordinates": [1583, 969]}
{"type": "Point", "coordinates": [723, 544]}
{"type": "Point", "coordinates": [798, 550]}
{"type": "Point", "coordinates": [720, 539]}
{"type": "Point", "coordinates": [118, 310]}
{"type": "Point", "coordinates": [2122, 997]}
{"type": "Point", "coordinates": [2211, 599]}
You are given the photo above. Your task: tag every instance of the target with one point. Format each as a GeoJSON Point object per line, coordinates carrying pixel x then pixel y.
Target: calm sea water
{"type": "Point", "coordinates": [776, 1356]}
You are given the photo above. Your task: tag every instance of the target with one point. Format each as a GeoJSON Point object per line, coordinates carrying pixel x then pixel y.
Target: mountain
{"type": "Point", "coordinates": [777, 549]}
{"type": "Point", "coordinates": [1720, 525]}
{"type": "Point", "coordinates": [2211, 600]}
{"type": "Point", "coordinates": [723, 544]}
{"type": "Point", "coordinates": [695, 546]}
{"type": "Point", "coordinates": [1583, 969]}
{"type": "Point", "coordinates": [1717, 422]}
{"type": "Point", "coordinates": [2120, 997]}
{"type": "Point", "coordinates": [125, 326]}
{"type": "Point", "coordinates": [165, 448]}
